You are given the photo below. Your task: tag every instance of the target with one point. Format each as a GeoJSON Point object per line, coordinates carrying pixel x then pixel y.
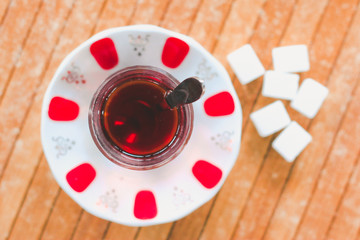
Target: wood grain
{"type": "Point", "coordinates": [306, 170]}
{"type": "Point", "coordinates": [272, 175]}
{"type": "Point", "coordinates": [30, 64]}
{"type": "Point", "coordinates": [14, 31]}
{"type": "Point", "coordinates": [346, 221]}
{"type": "Point", "coordinates": [264, 197]}
{"type": "Point", "coordinates": [334, 175]}
{"type": "Point", "coordinates": [4, 7]}
{"type": "Point", "coordinates": [158, 232]}
{"type": "Point", "coordinates": [17, 97]}
{"type": "Point", "coordinates": [38, 201]}
{"type": "Point", "coordinates": [232, 197]}
{"type": "Point", "coordinates": [62, 219]}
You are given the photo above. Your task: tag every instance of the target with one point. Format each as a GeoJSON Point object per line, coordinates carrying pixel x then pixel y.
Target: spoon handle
{"type": "Point", "coordinates": [188, 91]}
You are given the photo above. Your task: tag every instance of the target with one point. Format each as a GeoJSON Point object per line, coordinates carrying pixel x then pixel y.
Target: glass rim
{"type": "Point", "coordinates": [122, 158]}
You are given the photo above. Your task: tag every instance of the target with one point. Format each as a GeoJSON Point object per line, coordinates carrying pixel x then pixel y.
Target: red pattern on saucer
{"type": "Point", "coordinates": [174, 52]}
{"type": "Point", "coordinates": [220, 104]}
{"type": "Point", "coordinates": [145, 205]}
{"type": "Point", "coordinates": [80, 177]}
{"type": "Point", "coordinates": [62, 109]}
{"type": "Point", "coordinates": [105, 53]}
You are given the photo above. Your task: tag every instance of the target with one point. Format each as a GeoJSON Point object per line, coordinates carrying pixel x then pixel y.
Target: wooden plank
{"type": "Point", "coordinates": [41, 194]}
{"type": "Point", "coordinates": [150, 12]}
{"type": "Point", "coordinates": [62, 220]}
{"type": "Point", "coordinates": [190, 227]}
{"type": "Point", "coordinates": [156, 232]}
{"type": "Point", "coordinates": [206, 27]}
{"type": "Point", "coordinates": [117, 231]}
{"type": "Point", "coordinates": [14, 31]}
{"type": "Point", "coordinates": [272, 23]}
{"type": "Point", "coordinates": [323, 129]}
{"type": "Point", "coordinates": [90, 227]}
{"type": "Point", "coordinates": [334, 176]}
{"type": "Point", "coordinates": [115, 14]}
{"type": "Point", "coordinates": [270, 181]}
{"type": "Point", "coordinates": [4, 7]}
{"type": "Point", "coordinates": [231, 198]}
{"type": "Point", "coordinates": [346, 221]}
{"type": "Point", "coordinates": [238, 29]}
{"type": "Point", "coordinates": [180, 22]}
{"type": "Point", "coordinates": [29, 69]}
{"type": "Point", "coordinates": [11, 184]}
{"type": "Point", "coordinates": [25, 157]}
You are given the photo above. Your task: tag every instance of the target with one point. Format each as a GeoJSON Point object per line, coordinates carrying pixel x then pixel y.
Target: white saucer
{"type": "Point", "coordinates": [130, 197]}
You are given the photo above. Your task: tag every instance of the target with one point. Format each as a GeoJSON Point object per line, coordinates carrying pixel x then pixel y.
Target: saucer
{"type": "Point", "coordinates": [130, 197]}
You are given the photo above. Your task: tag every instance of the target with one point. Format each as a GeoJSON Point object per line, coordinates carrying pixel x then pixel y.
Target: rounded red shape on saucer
{"type": "Point", "coordinates": [105, 53]}
{"type": "Point", "coordinates": [145, 205]}
{"type": "Point", "coordinates": [174, 52]}
{"type": "Point", "coordinates": [62, 109]}
{"type": "Point", "coordinates": [80, 177]}
{"type": "Point", "coordinates": [220, 104]}
{"type": "Point", "coordinates": [206, 173]}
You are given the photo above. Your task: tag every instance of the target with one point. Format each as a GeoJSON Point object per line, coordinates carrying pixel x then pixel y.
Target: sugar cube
{"type": "Point", "coordinates": [280, 85]}
{"type": "Point", "coordinates": [309, 98]}
{"type": "Point", "coordinates": [270, 119]}
{"type": "Point", "coordinates": [294, 58]}
{"type": "Point", "coordinates": [292, 141]}
{"type": "Point", "coordinates": [246, 64]}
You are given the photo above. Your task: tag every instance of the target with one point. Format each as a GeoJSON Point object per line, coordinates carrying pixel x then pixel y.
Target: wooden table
{"type": "Point", "coordinates": [264, 197]}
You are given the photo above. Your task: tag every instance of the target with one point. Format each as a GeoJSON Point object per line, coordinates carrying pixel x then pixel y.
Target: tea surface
{"type": "Point", "coordinates": [135, 120]}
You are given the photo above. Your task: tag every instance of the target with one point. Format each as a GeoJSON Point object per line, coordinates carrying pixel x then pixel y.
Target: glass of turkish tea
{"type": "Point", "coordinates": [131, 122]}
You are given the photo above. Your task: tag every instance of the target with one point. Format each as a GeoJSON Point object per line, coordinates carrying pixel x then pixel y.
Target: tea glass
{"type": "Point", "coordinates": [119, 156]}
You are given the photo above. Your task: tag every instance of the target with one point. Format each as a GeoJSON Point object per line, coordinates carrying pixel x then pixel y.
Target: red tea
{"type": "Point", "coordinates": [135, 120]}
